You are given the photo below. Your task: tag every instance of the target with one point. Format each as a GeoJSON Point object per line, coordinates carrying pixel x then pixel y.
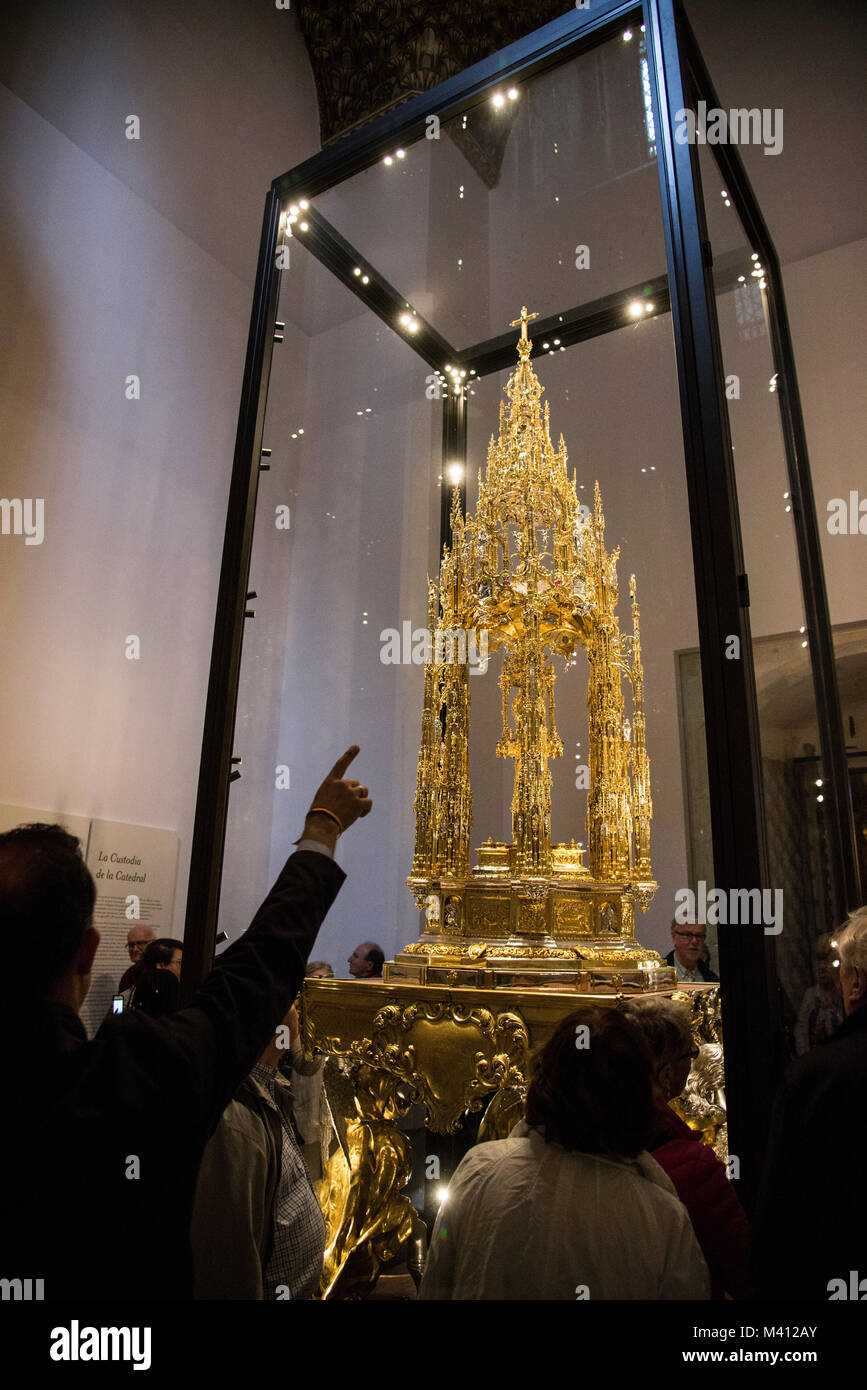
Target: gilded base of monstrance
{"type": "Point", "coordinates": [499, 930]}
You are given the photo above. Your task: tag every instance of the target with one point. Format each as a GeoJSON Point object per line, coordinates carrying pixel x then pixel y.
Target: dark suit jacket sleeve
{"type": "Point", "coordinates": [191, 1062]}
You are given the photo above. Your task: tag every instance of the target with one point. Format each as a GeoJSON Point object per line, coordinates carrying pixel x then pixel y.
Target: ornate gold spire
{"type": "Point", "coordinates": [530, 571]}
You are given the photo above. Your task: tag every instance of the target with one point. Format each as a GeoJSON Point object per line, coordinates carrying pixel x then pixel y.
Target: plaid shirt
{"type": "Point", "coordinates": [299, 1226]}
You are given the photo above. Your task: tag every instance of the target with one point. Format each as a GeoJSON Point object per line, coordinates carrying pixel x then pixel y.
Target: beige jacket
{"type": "Point", "coordinates": [524, 1219]}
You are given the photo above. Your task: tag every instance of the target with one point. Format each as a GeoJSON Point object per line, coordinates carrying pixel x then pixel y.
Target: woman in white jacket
{"type": "Point", "coordinates": [570, 1206]}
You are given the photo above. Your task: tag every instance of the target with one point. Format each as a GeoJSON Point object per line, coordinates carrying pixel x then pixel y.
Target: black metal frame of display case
{"type": "Point", "coordinates": [677, 76]}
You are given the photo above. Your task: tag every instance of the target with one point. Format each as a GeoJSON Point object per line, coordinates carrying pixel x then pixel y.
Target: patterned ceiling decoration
{"type": "Point", "coordinates": [373, 55]}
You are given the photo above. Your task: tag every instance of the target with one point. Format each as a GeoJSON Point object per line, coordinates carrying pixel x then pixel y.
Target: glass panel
{"type": "Point", "coordinates": [355, 426]}
{"type": "Point", "coordinates": [508, 195]}
{"type": "Point", "coordinates": [792, 765]}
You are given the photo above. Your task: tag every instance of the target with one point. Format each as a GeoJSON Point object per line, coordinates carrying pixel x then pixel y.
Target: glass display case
{"type": "Point", "coordinates": [547, 191]}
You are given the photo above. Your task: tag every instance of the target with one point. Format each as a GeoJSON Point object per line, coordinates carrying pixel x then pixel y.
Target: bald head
{"type": "Point", "coordinates": [137, 939]}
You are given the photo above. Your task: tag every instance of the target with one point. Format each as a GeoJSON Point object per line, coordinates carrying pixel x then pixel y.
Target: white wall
{"type": "Point", "coordinates": [124, 257]}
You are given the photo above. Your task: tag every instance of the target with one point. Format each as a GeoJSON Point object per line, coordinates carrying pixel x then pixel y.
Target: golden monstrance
{"type": "Point", "coordinates": [531, 570]}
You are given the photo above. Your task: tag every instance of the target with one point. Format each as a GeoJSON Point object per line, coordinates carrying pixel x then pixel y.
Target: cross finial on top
{"type": "Point", "coordinates": [523, 321]}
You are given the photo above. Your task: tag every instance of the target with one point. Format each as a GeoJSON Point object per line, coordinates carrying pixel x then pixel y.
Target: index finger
{"type": "Point", "coordinates": [343, 761]}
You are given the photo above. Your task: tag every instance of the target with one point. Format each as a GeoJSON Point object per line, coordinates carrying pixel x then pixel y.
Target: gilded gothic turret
{"type": "Point", "coordinates": [528, 577]}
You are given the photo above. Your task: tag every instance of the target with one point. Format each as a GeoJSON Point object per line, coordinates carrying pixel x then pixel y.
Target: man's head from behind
{"type": "Point", "coordinates": [46, 908]}
{"type": "Point", "coordinates": [689, 942]}
{"type": "Point", "coordinates": [852, 950]}
{"type": "Point", "coordinates": [366, 961]}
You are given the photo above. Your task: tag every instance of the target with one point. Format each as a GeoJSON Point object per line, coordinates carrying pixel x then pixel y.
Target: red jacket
{"type": "Point", "coordinates": [718, 1219]}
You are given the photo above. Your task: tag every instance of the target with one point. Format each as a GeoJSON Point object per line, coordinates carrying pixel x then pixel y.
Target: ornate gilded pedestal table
{"type": "Point", "coordinates": [448, 1049]}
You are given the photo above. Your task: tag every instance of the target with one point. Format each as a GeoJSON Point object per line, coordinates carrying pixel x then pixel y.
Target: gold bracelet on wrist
{"type": "Point", "coordinates": [323, 811]}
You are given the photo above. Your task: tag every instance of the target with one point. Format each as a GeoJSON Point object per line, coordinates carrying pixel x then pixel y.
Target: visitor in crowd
{"type": "Point", "coordinates": [810, 1228]}
{"type": "Point", "coordinates": [257, 1230]}
{"type": "Point", "coordinates": [821, 1011]}
{"type": "Point", "coordinates": [137, 938]}
{"type": "Point", "coordinates": [157, 988]}
{"type": "Point", "coordinates": [312, 1116]}
{"type": "Point", "coordinates": [570, 1205]}
{"type": "Point", "coordinates": [319, 970]}
{"type": "Point", "coordinates": [686, 955]}
{"type": "Point", "coordinates": [699, 1178]}
{"type": "Point", "coordinates": [113, 1143]}
{"type": "Point", "coordinates": [366, 961]}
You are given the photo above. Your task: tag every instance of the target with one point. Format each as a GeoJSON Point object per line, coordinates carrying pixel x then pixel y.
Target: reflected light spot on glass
{"type": "Point", "coordinates": [365, 279]}
{"type": "Point", "coordinates": [304, 226]}
{"type": "Point", "coordinates": [636, 309]}
{"type": "Point", "coordinates": [627, 35]}
{"type": "Point", "coordinates": [648, 308]}
{"type": "Point", "coordinates": [401, 154]}
{"type": "Point", "coordinates": [357, 270]}
{"type": "Point", "coordinates": [455, 474]}
{"type": "Point", "coordinates": [512, 94]}
{"type": "Point", "coordinates": [388, 159]}
{"type": "Point", "coordinates": [303, 204]}
{"type": "Point", "coordinates": [498, 99]}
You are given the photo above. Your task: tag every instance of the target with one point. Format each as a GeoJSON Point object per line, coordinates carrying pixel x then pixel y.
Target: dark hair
{"type": "Point", "coordinates": [376, 956]}
{"type": "Point", "coordinates": [160, 952]}
{"type": "Point", "coordinates": [665, 1025]}
{"type": "Point", "coordinates": [597, 1098]}
{"type": "Point", "coordinates": [47, 895]}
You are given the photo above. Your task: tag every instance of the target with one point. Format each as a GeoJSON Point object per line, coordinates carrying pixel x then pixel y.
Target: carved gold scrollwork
{"type": "Point", "coordinates": [446, 1055]}
{"type": "Point", "coordinates": [702, 1104]}
{"type": "Point", "coordinates": [377, 1218]}
{"type": "Point", "coordinates": [503, 1113]}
